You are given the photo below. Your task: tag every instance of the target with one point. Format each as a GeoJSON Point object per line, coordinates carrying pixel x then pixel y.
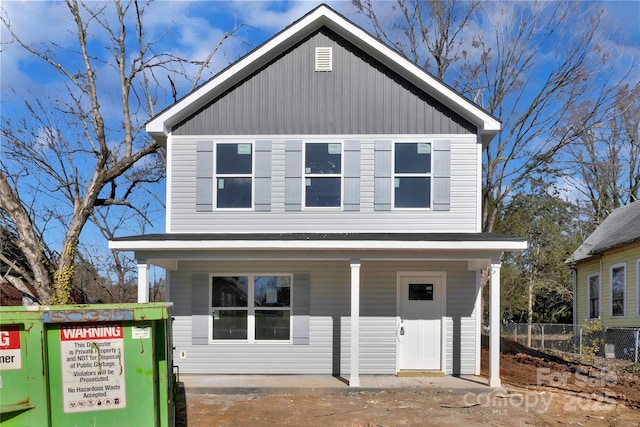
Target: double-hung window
{"type": "Point", "coordinates": [593, 295]}
{"type": "Point", "coordinates": [251, 307]}
{"type": "Point", "coordinates": [323, 174]}
{"type": "Point", "coordinates": [618, 286]}
{"type": "Point", "coordinates": [233, 178]}
{"type": "Point", "coordinates": [412, 175]}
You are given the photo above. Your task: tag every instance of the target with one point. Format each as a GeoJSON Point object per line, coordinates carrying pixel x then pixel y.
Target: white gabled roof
{"type": "Point", "coordinates": [160, 125]}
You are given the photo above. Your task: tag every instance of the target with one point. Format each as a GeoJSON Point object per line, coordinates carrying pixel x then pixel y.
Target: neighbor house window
{"type": "Point", "coordinates": [323, 174]}
{"type": "Point", "coordinates": [251, 308]}
{"type": "Point", "coordinates": [618, 285]}
{"type": "Point", "coordinates": [234, 172]}
{"type": "Point", "coordinates": [593, 295]}
{"type": "Point", "coordinates": [412, 175]}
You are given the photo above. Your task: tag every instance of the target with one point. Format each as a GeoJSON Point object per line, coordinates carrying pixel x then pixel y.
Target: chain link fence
{"type": "Point", "coordinates": [581, 340]}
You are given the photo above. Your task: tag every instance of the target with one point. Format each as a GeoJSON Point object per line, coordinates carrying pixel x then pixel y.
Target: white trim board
{"type": "Point", "coordinates": [241, 244]}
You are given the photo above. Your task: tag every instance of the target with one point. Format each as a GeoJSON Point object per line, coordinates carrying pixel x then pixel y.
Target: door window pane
{"type": "Point", "coordinates": [230, 291]}
{"type": "Point", "coordinates": [420, 292]}
{"type": "Point", "coordinates": [272, 324]}
{"type": "Point", "coordinates": [229, 324]}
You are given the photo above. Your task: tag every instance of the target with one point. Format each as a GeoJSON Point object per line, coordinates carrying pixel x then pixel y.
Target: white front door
{"type": "Point", "coordinates": [420, 328]}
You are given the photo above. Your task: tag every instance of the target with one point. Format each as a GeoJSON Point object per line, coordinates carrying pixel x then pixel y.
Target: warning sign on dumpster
{"type": "Point", "coordinates": [92, 358]}
{"type": "Point", "coordinates": [10, 355]}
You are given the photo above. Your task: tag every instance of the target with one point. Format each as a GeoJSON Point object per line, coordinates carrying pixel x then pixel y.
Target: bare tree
{"type": "Point", "coordinates": [84, 148]}
{"type": "Point", "coordinates": [426, 32]}
{"type": "Point", "coordinates": [605, 163]}
{"type": "Point", "coordinates": [527, 63]}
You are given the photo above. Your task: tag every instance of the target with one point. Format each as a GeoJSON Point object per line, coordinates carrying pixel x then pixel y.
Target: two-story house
{"type": "Point", "coordinates": [324, 214]}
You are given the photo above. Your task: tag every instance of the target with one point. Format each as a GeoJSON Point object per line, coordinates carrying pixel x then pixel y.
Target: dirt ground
{"type": "Point", "coordinates": [542, 390]}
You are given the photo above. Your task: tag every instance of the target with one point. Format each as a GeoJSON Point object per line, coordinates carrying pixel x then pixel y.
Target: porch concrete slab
{"type": "Point", "coordinates": [241, 384]}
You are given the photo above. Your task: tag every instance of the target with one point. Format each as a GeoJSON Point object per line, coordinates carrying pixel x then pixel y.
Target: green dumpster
{"type": "Point", "coordinates": [86, 365]}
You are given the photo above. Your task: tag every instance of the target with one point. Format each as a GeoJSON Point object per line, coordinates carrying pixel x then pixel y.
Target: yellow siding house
{"type": "Point", "coordinates": [607, 271]}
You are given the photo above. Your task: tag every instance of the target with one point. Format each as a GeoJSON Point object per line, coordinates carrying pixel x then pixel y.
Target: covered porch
{"type": "Point", "coordinates": [476, 252]}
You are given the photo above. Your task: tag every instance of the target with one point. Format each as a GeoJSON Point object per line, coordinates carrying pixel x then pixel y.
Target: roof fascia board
{"type": "Point", "coordinates": [171, 260]}
{"type": "Point", "coordinates": [323, 15]}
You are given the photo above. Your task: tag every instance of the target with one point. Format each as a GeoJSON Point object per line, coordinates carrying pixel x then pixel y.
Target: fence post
{"type": "Point", "coordinates": [542, 344]}
{"type": "Point", "coordinates": [637, 343]}
{"type": "Point", "coordinates": [580, 342]}
{"type": "Point", "coordinates": [515, 332]}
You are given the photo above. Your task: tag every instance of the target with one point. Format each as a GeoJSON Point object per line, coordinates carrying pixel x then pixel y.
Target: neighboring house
{"type": "Point", "coordinates": [323, 214]}
{"type": "Point", "coordinates": [607, 271]}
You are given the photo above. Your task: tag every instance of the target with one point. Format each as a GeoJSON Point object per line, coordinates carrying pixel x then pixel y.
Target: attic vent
{"type": "Point", "coordinates": [324, 59]}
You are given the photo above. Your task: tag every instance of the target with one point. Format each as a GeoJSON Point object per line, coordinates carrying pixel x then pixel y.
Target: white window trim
{"type": "Point", "coordinates": [624, 290]}
{"type": "Point", "coordinates": [305, 175]}
{"type": "Point", "coordinates": [250, 309]}
{"type": "Point", "coordinates": [589, 295]}
{"type": "Point", "coordinates": [401, 175]}
{"type": "Point", "coordinates": [252, 175]}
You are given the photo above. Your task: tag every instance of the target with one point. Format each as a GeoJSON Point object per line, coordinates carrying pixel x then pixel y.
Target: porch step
{"type": "Point", "coordinates": [416, 373]}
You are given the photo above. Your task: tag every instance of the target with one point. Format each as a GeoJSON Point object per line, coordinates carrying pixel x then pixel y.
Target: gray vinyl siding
{"type": "Point", "coordinates": [328, 351]}
{"type": "Point", "coordinates": [329, 302]}
{"type": "Point", "coordinates": [461, 322]}
{"type": "Point", "coordinates": [360, 96]}
{"type": "Point", "coordinates": [287, 215]}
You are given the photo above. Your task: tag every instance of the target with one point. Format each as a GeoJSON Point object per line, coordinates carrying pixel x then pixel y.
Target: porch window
{"type": "Point", "coordinates": [251, 308]}
{"type": "Point", "coordinates": [323, 174]}
{"type": "Point", "coordinates": [593, 296]}
{"type": "Point", "coordinates": [618, 288]}
{"type": "Point", "coordinates": [412, 175]}
{"type": "Point", "coordinates": [234, 175]}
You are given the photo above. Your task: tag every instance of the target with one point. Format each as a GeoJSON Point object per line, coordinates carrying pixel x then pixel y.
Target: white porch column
{"type": "Point", "coordinates": [354, 379]}
{"type": "Point", "coordinates": [143, 281]}
{"type": "Point", "coordinates": [495, 315]}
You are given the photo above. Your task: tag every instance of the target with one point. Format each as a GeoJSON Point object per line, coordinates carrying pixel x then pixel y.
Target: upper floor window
{"type": "Point", "coordinates": [323, 174]}
{"type": "Point", "coordinates": [593, 295]}
{"type": "Point", "coordinates": [618, 289]}
{"type": "Point", "coordinates": [251, 308]}
{"type": "Point", "coordinates": [233, 175]}
{"type": "Point", "coordinates": [412, 175]}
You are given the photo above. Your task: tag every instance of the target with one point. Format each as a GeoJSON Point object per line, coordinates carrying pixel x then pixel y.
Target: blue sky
{"type": "Point", "coordinates": [195, 25]}
{"type": "Point", "coordinates": [191, 28]}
